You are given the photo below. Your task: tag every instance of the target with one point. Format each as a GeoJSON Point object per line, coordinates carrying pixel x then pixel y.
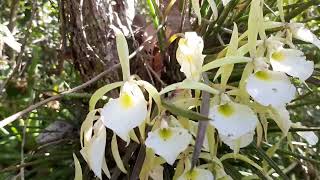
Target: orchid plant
{"type": "Point", "coordinates": [237, 115]}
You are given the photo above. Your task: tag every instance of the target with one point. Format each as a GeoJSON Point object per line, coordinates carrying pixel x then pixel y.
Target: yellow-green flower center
{"type": "Point", "coordinates": [226, 109]}
{"type": "Point", "coordinates": [126, 100]}
{"type": "Point", "coordinates": [263, 75]}
{"type": "Point", "coordinates": [165, 133]}
{"type": "Point", "coordinates": [191, 175]}
{"type": "Point", "coordinates": [278, 56]}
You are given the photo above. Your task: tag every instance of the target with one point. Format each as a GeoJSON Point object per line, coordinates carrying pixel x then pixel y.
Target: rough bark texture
{"type": "Point", "coordinates": [86, 24]}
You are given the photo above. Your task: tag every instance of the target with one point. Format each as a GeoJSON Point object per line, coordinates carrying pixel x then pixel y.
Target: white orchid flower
{"type": "Point", "coordinates": [7, 37]}
{"type": "Point", "coordinates": [300, 32]}
{"type": "Point", "coordinates": [196, 174]}
{"type": "Point", "coordinates": [168, 142]}
{"type": "Point", "coordinates": [240, 142]}
{"type": "Point", "coordinates": [293, 62]}
{"type": "Point", "coordinates": [128, 111]}
{"type": "Point", "coordinates": [93, 152]}
{"type": "Point", "coordinates": [309, 136]}
{"type": "Point", "coordinates": [189, 55]}
{"type": "Point", "coordinates": [270, 88]}
{"type": "Point", "coordinates": [233, 119]}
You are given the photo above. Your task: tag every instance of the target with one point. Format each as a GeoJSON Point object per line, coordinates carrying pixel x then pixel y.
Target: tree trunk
{"type": "Point", "coordinates": [86, 25]}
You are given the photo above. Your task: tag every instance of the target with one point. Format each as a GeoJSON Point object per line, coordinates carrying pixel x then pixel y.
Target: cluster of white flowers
{"type": "Point", "coordinates": [235, 119]}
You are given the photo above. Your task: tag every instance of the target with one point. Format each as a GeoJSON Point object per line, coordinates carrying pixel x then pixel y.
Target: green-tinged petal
{"type": "Point", "coordinates": [116, 154]}
{"type": "Point", "coordinates": [232, 119]}
{"type": "Point", "coordinates": [224, 61]}
{"type": "Point", "coordinates": [293, 62]}
{"type": "Point", "coordinates": [157, 173]}
{"type": "Point", "coordinates": [281, 116]}
{"type": "Point", "coordinates": [196, 8]}
{"type": "Point", "coordinates": [196, 174]}
{"type": "Point", "coordinates": [214, 9]}
{"type": "Point", "coordinates": [78, 170]}
{"type": "Point", "coordinates": [128, 111]}
{"type": "Point", "coordinates": [168, 142]}
{"type": "Point", "coordinates": [101, 92]}
{"type": "Point", "coordinates": [225, 2]}
{"type": "Point", "coordinates": [105, 168]}
{"type": "Point", "coordinates": [270, 88]}
{"type": "Point", "coordinates": [152, 92]}
{"type": "Point", "coordinates": [253, 26]}
{"type": "Point", "coordinates": [188, 84]}
{"type": "Point", "coordinates": [87, 128]}
{"type": "Point", "coordinates": [123, 53]}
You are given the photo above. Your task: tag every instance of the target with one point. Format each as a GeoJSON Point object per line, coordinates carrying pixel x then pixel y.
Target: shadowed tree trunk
{"type": "Point", "coordinates": [86, 34]}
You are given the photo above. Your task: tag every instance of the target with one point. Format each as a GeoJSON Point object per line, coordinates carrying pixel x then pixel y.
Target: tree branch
{"type": "Point", "coordinates": [13, 117]}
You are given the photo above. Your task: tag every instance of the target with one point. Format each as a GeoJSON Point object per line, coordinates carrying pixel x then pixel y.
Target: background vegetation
{"type": "Point", "coordinates": [40, 144]}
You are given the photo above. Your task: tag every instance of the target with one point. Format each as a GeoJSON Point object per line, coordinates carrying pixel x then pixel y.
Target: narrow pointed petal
{"type": "Point", "coordinates": [240, 142]}
{"type": "Point", "coordinates": [281, 116]}
{"type": "Point", "coordinates": [225, 2]}
{"type": "Point", "coordinates": [300, 32]}
{"type": "Point", "coordinates": [169, 142]}
{"type": "Point", "coordinates": [128, 111]}
{"type": "Point", "coordinates": [196, 174]}
{"type": "Point", "coordinates": [232, 119]}
{"type": "Point", "coordinates": [309, 136]}
{"type": "Point", "coordinates": [94, 152]}
{"type": "Point", "coordinates": [293, 62]}
{"type": "Point", "coordinates": [9, 39]}
{"type": "Point", "coordinates": [270, 88]}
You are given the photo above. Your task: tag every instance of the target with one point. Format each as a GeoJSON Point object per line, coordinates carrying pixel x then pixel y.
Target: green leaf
{"type": "Point", "coordinates": [188, 84]}
{"type": "Point", "coordinates": [101, 92]}
{"type": "Point", "coordinates": [224, 61]}
{"type": "Point", "coordinates": [116, 154]}
{"type": "Point", "coordinates": [184, 113]}
{"type": "Point", "coordinates": [271, 163]}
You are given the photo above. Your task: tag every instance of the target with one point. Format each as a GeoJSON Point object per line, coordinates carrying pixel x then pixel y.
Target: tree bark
{"type": "Point", "coordinates": [86, 34]}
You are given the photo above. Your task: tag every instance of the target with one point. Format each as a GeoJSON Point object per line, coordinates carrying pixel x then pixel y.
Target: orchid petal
{"type": "Point", "coordinates": [270, 88]}
{"type": "Point", "coordinates": [168, 142]}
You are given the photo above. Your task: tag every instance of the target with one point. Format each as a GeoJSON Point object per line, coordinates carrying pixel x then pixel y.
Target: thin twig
{"type": "Point", "coordinates": [130, 150]}
{"type": "Point", "coordinates": [22, 151]}
{"type": "Point", "coordinates": [139, 162]}
{"type": "Point", "coordinates": [202, 126]}
{"type": "Point", "coordinates": [15, 116]}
